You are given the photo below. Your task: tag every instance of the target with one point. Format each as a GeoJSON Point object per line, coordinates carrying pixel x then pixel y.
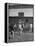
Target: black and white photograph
{"type": "Point", "coordinates": [19, 22]}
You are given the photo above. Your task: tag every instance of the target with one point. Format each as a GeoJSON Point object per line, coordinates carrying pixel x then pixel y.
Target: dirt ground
{"type": "Point", "coordinates": [22, 37]}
